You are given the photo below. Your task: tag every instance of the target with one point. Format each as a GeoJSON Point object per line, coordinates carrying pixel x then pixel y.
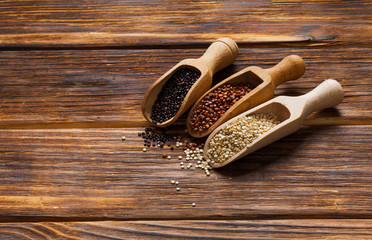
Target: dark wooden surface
{"type": "Point", "coordinates": [72, 78]}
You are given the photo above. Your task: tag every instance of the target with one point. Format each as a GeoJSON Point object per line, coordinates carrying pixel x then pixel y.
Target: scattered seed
{"type": "Point", "coordinates": [178, 189]}
{"type": "Point", "coordinates": [144, 149]}
{"type": "Point", "coordinates": [193, 204]}
{"type": "Point", "coordinates": [123, 138]}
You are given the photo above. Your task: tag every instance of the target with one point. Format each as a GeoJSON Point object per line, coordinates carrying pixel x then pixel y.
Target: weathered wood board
{"type": "Point", "coordinates": [72, 78]}
{"type": "Point", "coordinates": [92, 173]}
{"type": "Point", "coordinates": [105, 87]}
{"type": "Point", "coordinates": [192, 229]}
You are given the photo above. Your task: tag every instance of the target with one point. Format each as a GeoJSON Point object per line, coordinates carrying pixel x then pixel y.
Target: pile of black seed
{"type": "Point", "coordinates": [172, 94]}
{"type": "Point", "coordinates": [154, 137]}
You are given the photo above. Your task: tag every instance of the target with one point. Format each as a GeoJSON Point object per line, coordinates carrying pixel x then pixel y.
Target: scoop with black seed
{"type": "Point", "coordinates": [194, 77]}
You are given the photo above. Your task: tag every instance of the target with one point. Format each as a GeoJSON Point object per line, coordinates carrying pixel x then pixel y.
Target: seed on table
{"type": "Point", "coordinates": [176, 182]}
{"type": "Point", "coordinates": [169, 157]}
{"type": "Point", "coordinates": [193, 204]}
{"type": "Point", "coordinates": [179, 157]}
{"type": "Point", "coordinates": [178, 189]}
{"type": "Point", "coordinates": [144, 149]}
{"type": "Point", "coordinates": [173, 182]}
{"type": "Point", "coordinates": [123, 138]}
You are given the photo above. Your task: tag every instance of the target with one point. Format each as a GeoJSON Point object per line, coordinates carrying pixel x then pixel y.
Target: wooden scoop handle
{"type": "Point", "coordinates": [220, 54]}
{"type": "Point", "coordinates": [327, 94]}
{"type": "Point", "coordinates": [290, 68]}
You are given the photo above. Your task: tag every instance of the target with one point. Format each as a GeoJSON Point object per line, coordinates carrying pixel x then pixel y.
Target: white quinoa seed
{"type": "Point", "coordinates": [144, 149]}
{"type": "Point", "coordinates": [235, 136]}
{"type": "Point", "coordinates": [123, 138]}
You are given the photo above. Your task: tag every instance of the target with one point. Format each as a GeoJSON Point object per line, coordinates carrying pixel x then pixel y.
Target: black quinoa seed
{"type": "Point", "coordinates": [172, 94]}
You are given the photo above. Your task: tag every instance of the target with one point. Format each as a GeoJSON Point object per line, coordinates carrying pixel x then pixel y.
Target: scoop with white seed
{"type": "Point", "coordinates": [291, 111]}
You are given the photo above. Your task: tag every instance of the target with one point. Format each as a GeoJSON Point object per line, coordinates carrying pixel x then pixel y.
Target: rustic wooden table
{"type": "Point", "coordinates": [72, 77]}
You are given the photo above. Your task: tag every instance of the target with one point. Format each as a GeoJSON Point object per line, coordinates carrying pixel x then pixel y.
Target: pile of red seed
{"type": "Point", "coordinates": [215, 104]}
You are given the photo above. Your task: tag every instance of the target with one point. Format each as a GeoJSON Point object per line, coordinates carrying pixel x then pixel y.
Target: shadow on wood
{"type": "Point", "coordinates": [272, 154]}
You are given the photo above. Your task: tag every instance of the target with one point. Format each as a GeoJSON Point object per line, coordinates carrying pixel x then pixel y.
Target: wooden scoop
{"type": "Point", "coordinates": [291, 112]}
{"type": "Point", "coordinates": [263, 81]}
{"type": "Point", "coordinates": [219, 55]}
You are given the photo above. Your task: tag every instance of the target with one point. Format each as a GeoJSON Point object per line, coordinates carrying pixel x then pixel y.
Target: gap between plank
{"type": "Point", "coordinates": [96, 219]}
{"type": "Point", "coordinates": [133, 124]}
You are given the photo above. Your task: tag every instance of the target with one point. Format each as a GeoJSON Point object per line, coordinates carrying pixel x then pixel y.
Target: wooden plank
{"type": "Point", "coordinates": [81, 40]}
{"type": "Point", "coordinates": [90, 174]}
{"type": "Point", "coordinates": [104, 88]}
{"type": "Point", "coordinates": [195, 229]}
{"type": "Point", "coordinates": [44, 24]}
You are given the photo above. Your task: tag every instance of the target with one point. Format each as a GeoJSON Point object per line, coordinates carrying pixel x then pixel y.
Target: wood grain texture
{"type": "Point", "coordinates": [98, 40]}
{"type": "Point", "coordinates": [134, 23]}
{"type": "Point", "coordinates": [253, 229]}
{"type": "Point", "coordinates": [92, 174]}
{"type": "Point", "coordinates": [72, 78]}
{"type": "Point", "coordinates": [104, 88]}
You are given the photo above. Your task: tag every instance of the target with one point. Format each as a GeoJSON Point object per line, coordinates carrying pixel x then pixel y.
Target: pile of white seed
{"type": "Point", "coordinates": [197, 155]}
{"type": "Point", "coordinates": [238, 134]}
